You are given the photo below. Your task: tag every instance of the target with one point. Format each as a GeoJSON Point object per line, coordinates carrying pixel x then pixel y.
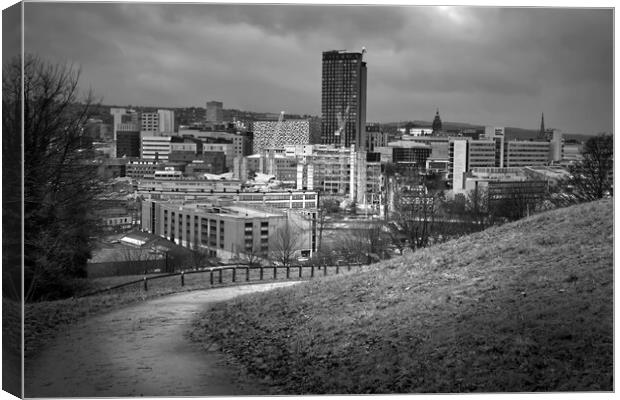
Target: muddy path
{"type": "Point", "coordinates": [140, 350]}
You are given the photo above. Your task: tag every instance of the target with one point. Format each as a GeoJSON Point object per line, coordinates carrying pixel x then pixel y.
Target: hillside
{"type": "Point", "coordinates": [527, 306]}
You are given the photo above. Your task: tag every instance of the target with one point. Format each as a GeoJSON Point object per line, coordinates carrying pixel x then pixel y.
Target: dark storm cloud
{"type": "Point", "coordinates": [484, 65]}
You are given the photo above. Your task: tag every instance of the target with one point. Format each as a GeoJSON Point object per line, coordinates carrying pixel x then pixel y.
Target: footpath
{"type": "Point", "coordinates": [140, 350]}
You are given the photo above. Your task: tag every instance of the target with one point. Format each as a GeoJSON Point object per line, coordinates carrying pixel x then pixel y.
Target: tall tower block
{"type": "Point", "coordinates": [343, 100]}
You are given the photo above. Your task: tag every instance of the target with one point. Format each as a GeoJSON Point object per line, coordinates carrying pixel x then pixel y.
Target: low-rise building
{"type": "Point", "coordinates": [230, 232]}
{"type": "Point", "coordinates": [175, 187]}
{"type": "Point", "coordinates": [138, 169]}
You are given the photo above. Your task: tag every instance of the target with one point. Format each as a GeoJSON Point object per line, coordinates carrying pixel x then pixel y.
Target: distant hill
{"type": "Point", "coordinates": [523, 307]}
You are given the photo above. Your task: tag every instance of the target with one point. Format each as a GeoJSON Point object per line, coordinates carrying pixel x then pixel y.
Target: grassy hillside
{"type": "Point", "coordinates": [527, 306]}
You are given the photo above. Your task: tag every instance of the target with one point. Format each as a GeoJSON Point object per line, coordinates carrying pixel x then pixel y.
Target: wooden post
{"type": "Point", "coordinates": [247, 274]}
{"type": "Point", "coordinates": [348, 266]}
{"type": "Point", "coordinates": [300, 267]}
{"type": "Point", "coordinates": [324, 270]}
{"type": "Point", "coordinates": [261, 272]}
{"type": "Point", "coordinates": [182, 278]}
{"type": "Point", "coordinates": [234, 274]}
{"type": "Point", "coordinates": [220, 277]}
{"type": "Point", "coordinates": [211, 277]}
{"type": "Point", "coordinates": [275, 272]}
{"type": "Point", "coordinates": [288, 272]}
{"type": "Point", "coordinates": [312, 271]}
{"type": "Point", "coordinates": [146, 287]}
{"type": "Point", "coordinates": [337, 269]}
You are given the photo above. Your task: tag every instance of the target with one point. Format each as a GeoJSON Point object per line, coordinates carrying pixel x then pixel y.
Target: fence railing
{"type": "Point", "coordinates": [238, 274]}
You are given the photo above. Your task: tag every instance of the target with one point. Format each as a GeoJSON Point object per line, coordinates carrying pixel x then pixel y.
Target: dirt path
{"type": "Point", "coordinates": [139, 350]}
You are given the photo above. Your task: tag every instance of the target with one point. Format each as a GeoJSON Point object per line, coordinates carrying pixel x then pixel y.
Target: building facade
{"type": "Point", "coordinates": [271, 134]}
{"type": "Point", "coordinates": [215, 113]}
{"type": "Point", "coordinates": [229, 232]}
{"type": "Point", "coordinates": [521, 153]}
{"type": "Point", "coordinates": [343, 99]}
{"type": "Point", "coordinates": [149, 123]}
{"type": "Point", "coordinates": [127, 143]}
{"type": "Point", "coordinates": [166, 121]}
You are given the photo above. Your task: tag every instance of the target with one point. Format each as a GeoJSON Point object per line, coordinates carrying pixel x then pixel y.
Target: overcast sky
{"type": "Point", "coordinates": [491, 66]}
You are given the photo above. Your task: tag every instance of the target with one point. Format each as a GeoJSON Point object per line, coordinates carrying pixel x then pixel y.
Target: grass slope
{"type": "Point", "coordinates": [527, 306]}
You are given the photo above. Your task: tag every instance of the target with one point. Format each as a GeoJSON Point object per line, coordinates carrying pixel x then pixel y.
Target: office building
{"type": "Point", "coordinates": [557, 146]}
{"type": "Point", "coordinates": [176, 187]}
{"type": "Point", "coordinates": [506, 183]}
{"type": "Point", "coordinates": [215, 114]}
{"type": "Point", "coordinates": [480, 154]}
{"type": "Point", "coordinates": [228, 232]}
{"type": "Point", "coordinates": [157, 147]}
{"type": "Point", "coordinates": [149, 124]}
{"type": "Point", "coordinates": [227, 148]}
{"type": "Point", "coordinates": [521, 153]}
{"type": "Point", "coordinates": [166, 121]}
{"type": "Point", "coordinates": [343, 99]}
{"type": "Point", "coordinates": [138, 169]}
{"type": "Point", "coordinates": [210, 162]}
{"type": "Point", "coordinates": [325, 168]}
{"type": "Point", "coordinates": [457, 164]}
{"type": "Point", "coordinates": [375, 136]}
{"type": "Point", "coordinates": [128, 141]}
{"type": "Point", "coordinates": [122, 116]}
{"type": "Point", "coordinates": [277, 134]}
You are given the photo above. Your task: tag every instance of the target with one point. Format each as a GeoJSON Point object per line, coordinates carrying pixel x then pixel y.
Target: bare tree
{"type": "Point", "coordinates": [136, 259]}
{"type": "Point", "coordinates": [415, 212]}
{"type": "Point", "coordinates": [199, 255]}
{"type": "Point", "coordinates": [285, 243]}
{"type": "Point", "coordinates": [591, 178]}
{"type": "Point", "coordinates": [250, 255]}
{"type": "Point", "coordinates": [515, 201]}
{"type": "Point", "coordinates": [366, 244]}
{"type": "Point", "coordinates": [60, 181]}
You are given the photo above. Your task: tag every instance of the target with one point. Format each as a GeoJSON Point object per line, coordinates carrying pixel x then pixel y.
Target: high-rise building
{"type": "Point", "coordinates": [343, 100]}
{"type": "Point", "coordinates": [214, 112]}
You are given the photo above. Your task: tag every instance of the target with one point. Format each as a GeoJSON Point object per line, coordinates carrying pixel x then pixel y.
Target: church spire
{"type": "Point", "coordinates": [541, 134]}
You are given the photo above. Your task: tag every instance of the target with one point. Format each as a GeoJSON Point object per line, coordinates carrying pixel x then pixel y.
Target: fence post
{"type": "Point", "coordinates": [261, 272]}
{"type": "Point", "coordinates": [234, 274]}
{"type": "Point", "coordinates": [182, 278]}
{"type": "Point", "coordinates": [275, 272]}
{"type": "Point", "coordinates": [211, 277]}
{"type": "Point", "coordinates": [337, 269]}
{"type": "Point", "coordinates": [300, 267]}
{"type": "Point", "coordinates": [324, 270]}
{"type": "Point", "coordinates": [247, 273]}
{"type": "Point", "coordinates": [312, 271]}
{"type": "Point", "coordinates": [146, 287]}
{"type": "Point", "coordinates": [288, 272]}
{"type": "Point", "coordinates": [220, 277]}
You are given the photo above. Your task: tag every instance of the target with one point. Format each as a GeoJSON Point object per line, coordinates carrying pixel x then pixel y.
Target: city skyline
{"type": "Point", "coordinates": [491, 66]}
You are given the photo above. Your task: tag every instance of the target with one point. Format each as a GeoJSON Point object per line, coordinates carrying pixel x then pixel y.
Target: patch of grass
{"type": "Point", "coordinates": [527, 306]}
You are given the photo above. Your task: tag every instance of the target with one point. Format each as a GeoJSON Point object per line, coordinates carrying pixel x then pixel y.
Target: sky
{"type": "Point", "coordinates": [481, 65]}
